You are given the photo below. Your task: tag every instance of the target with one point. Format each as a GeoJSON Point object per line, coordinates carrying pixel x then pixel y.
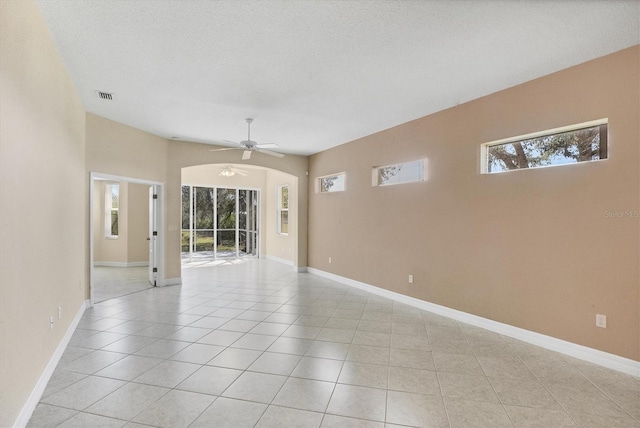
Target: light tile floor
{"type": "Point", "coordinates": [111, 282]}
{"type": "Point", "coordinates": [254, 344]}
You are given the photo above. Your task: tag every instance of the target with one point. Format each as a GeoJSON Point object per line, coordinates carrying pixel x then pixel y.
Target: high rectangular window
{"type": "Point", "coordinates": [111, 204]}
{"type": "Point", "coordinates": [573, 144]}
{"type": "Point", "coordinates": [406, 172]}
{"type": "Point", "coordinates": [331, 183]}
{"type": "Point", "coordinates": [283, 210]}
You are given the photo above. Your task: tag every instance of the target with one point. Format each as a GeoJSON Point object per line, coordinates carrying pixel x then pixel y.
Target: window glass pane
{"type": "Point", "coordinates": [581, 145]}
{"type": "Point", "coordinates": [284, 222]}
{"type": "Point", "coordinates": [284, 197]}
{"type": "Point", "coordinates": [252, 214]}
{"type": "Point", "coordinates": [332, 184]}
{"type": "Point", "coordinates": [111, 202]}
{"type": "Point", "coordinates": [242, 242]}
{"type": "Point", "coordinates": [242, 209]}
{"type": "Point", "coordinates": [242, 221]}
{"type": "Point", "coordinates": [203, 207]}
{"type": "Point", "coordinates": [115, 195]}
{"type": "Point", "coordinates": [226, 243]}
{"type": "Point", "coordinates": [185, 206]}
{"type": "Point", "coordinates": [223, 227]}
{"type": "Point", "coordinates": [252, 243]}
{"type": "Point", "coordinates": [226, 209]}
{"type": "Point", "coordinates": [184, 242]}
{"type": "Point", "coordinates": [400, 173]}
{"type": "Point", "coordinates": [114, 223]}
{"type": "Point", "coordinates": [203, 241]}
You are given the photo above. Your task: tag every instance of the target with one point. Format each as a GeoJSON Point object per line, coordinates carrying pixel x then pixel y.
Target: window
{"type": "Point", "coordinates": [331, 183]}
{"type": "Point", "coordinates": [111, 204]}
{"type": "Point", "coordinates": [578, 143]}
{"type": "Point", "coordinates": [283, 210]}
{"type": "Point", "coordinates": [219, 222]}
{"type": "Point", "coordinates": [399, 173]}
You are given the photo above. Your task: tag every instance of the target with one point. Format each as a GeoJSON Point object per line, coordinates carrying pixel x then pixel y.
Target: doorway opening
{"type": "Point", "coordinates": [219, 223]}
{"type": "Point", "coordinates": [125, 238]}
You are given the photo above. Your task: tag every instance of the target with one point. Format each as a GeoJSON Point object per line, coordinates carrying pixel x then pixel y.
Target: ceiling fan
{"type": "Point", "coordinates": [230, 171]}
{"type": "Point", "coordinates": [250, 146]}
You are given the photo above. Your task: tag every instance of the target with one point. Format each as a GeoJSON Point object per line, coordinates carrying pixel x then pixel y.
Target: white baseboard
{"type": "Point", "coordinates": [279, 260]}
{"type": "Point", "coordinates": [121, 264]}
{"type": "Point", "coordinates": [170, 281]}
{"type": "Point", "coordinates": [38, 390]}
{"type": "Point", "coordinates": [605, 359]}
{"type": "Point", "coordinates": [298, 269]}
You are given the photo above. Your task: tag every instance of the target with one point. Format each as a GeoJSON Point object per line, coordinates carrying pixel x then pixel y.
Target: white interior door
{"type": "Point", "coordinates": [153, 234]}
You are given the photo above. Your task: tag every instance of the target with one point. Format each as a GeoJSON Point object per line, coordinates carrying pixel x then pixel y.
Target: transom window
{"type": "Point", "coordinates": [406, 172]}
{"type": "Point", "coordinates": [573, 144]}
{"type": "Point", "coordinates": [331, 183]}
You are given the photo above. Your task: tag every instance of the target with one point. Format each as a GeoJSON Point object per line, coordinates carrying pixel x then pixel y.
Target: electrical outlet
{"type": "Point", "coordinates": [601, 321]}
{"type": "Point", "coordinates": [410, 279]}
{"type": "Point", "coordinates": [59, 312]}
{"type": "Point", "coordinates": [329, 260]}
{"type": "Point", "coordinates": [50, 323]}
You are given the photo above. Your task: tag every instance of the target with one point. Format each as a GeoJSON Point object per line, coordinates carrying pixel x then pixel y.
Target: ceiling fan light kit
{"type": "Point", "coordinates": [250, 146]}
{"type": "Point", "coordinates": [227, 173]}
{"type": "Point", "coordinates": [230, 171]}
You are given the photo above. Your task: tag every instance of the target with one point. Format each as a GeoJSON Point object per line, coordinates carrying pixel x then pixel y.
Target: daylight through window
{"type": "Point", "coordinates": [399, 173]}
{"type": "Point", "coordinates": [111, 204]}
{"type": "Point", "coordinates": [332, 183]}
{"type": "Point", "coordinates": [579, 143]}
{"type": "Point", "coordinates": [283, 210]}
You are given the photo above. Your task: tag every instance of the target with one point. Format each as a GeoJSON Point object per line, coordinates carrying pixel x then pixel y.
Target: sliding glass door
{"type": "Point", "coordinates": [219, 222]}
{"type": "Point", "coordinates": [248, 238]}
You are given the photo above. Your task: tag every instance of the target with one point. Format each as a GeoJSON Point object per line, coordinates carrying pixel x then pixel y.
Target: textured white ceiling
{"type": "Point", "coordinates": [316, 74]}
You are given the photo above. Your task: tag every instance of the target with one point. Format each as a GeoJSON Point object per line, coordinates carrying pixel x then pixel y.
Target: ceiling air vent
{"type": "Point", "coordinates": [104, 95]}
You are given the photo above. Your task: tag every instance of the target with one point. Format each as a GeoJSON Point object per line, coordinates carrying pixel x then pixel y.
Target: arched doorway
{"type": "Point", "coordinates": [234, 216]}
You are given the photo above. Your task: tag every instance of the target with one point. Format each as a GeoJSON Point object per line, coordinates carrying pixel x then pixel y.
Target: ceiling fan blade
{"type": "Point", "coordinates": [270, 153]}
{"type": "Point", "coordinates": [267, 146]}
{"type": "Point", "coordinates": [225, 142]}
{"type": "Point", "coordinates": [225, 149]}
{"type": "Point", "coordinates": [246, 155]}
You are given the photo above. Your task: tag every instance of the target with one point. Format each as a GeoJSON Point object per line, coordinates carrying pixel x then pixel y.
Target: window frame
{"type": "Point", "coordinates": [485, 147]}
{"type": "Point", "coordinates": [109, 210]}
{"type": "Point", "coordinates": [375, 175]}
{"type": "Point", "coordinates": [281, 209]}
{"type": "Point", "coordinates": [336, 175]}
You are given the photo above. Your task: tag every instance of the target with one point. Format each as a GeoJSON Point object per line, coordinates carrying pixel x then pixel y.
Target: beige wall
{"type": "Point", "coordinates": [110, 250]}
{"type": "Point", "coordinates": [131, 246]}
{"type": "Point", "coordinates": [529, 248]}
{"type": "Point", "coordinates": [282, 247]}
{"type": "Point", "coordinates": [123, 151]}
{"type": "Point", "coordinates": [183, 154]}
{"type": "Point", "coordinates": [463, 235]}
{"type": "Point", "coordinates": [117, 149]}
{"type": "Point", "coordinates": [43, 195]}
